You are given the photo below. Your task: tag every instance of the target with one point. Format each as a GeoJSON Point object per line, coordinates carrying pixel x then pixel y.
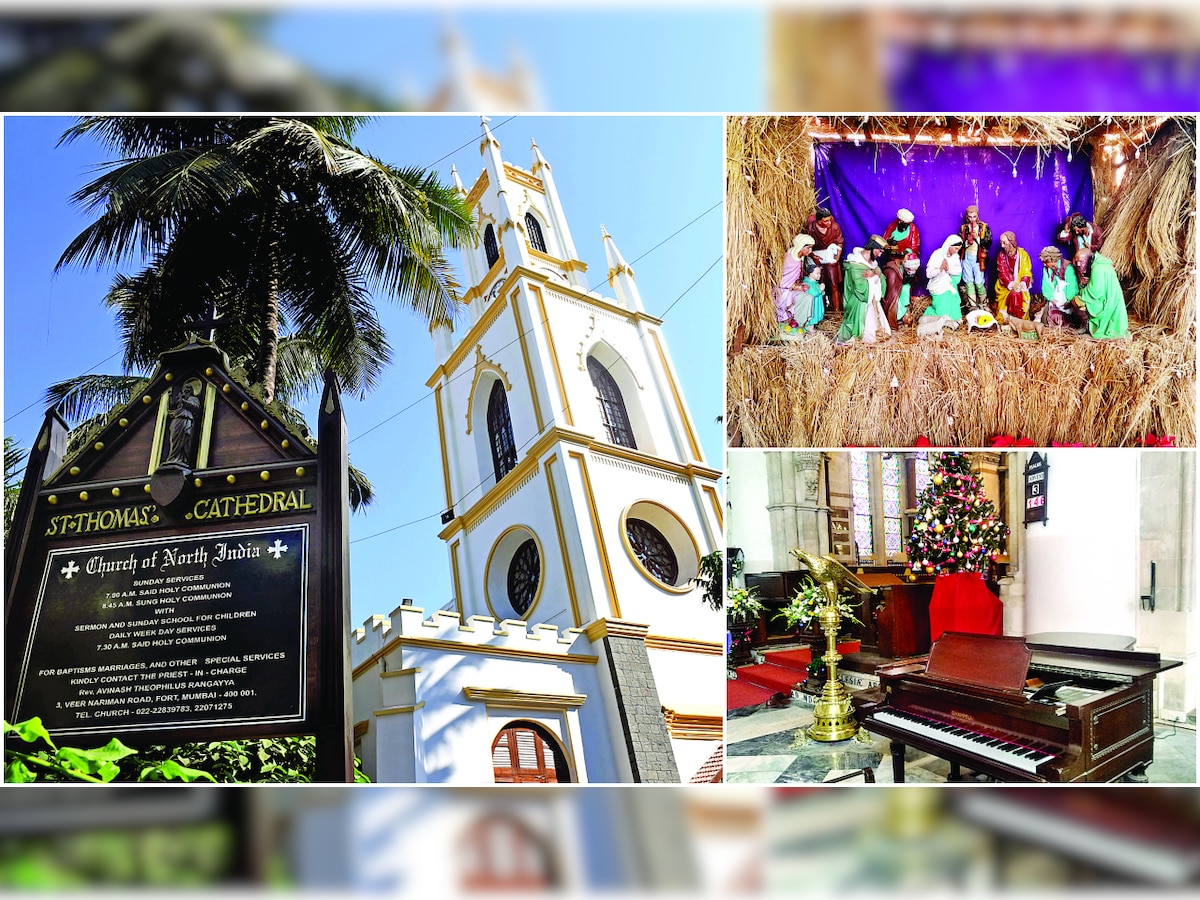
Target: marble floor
{"type": "Point", "coordinates": [768, 746]}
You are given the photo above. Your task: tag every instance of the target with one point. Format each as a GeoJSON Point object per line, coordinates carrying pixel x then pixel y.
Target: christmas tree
{"type": "Point", "coordinates": [956, 527]}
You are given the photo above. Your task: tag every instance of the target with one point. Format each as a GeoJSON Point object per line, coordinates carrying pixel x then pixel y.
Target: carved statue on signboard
{"type": "Point", "coordinates": [169, 481]}
{"type": "Point", "coordinates": [184, 413]}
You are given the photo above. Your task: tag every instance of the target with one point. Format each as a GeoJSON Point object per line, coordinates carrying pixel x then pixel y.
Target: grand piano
{"type": "Point", "coordinates": [1019, 710]}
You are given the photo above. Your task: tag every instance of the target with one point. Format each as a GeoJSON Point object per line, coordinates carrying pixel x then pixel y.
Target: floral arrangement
{"type": "Point", "coordinates": [809, 601]}
{"type": "Point", "coordinates": [742, 606]}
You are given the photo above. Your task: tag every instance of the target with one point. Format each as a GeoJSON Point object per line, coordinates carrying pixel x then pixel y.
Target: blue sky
{"type": "Point", "coordinates": [642, 177]}
{"type": "Point", "coordinates": [604, 59]}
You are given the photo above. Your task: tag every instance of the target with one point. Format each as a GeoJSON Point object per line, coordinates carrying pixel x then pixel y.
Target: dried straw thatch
{"type": "Point", "coordinates": [964, 390]}
{"type": "Point", "coordinates": [1151, 231]}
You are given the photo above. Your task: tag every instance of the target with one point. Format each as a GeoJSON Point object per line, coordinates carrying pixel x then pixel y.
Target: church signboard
{"type": "Point", "coordinates": [181, 575]}
{"type": "Point", "coordinates": [1036, 471]}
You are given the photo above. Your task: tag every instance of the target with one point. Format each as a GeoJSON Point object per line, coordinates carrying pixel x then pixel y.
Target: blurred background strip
{"type": "Point", "coordinates": [720, 58]}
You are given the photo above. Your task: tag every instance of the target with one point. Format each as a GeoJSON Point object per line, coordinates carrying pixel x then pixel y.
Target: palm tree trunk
{"type": "Point", "coordinates": [268, 351]}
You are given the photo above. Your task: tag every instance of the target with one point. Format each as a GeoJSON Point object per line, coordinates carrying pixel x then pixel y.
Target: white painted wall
{"type": "Point", "coordinates": [749, 520]}
{"type": "Point", "coordinates": [1081, 567]}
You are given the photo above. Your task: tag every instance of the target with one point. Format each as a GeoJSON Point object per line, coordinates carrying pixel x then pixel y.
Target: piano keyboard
{"type": "Point", "coordinates": [1016, 755]}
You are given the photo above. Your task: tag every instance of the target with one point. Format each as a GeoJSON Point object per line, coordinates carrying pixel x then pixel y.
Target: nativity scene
{"type": "Point", "coordinates": [956, 281]}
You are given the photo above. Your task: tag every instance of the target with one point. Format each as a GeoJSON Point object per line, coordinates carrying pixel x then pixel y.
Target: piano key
{"type": "Point", "coordinates": [1026, 759]}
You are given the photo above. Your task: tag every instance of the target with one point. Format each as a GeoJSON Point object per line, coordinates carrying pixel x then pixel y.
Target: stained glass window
{"type": "Point", "coordinates": [892, 506]}
{"type": "Point", "coordinates": [922, 471]}
{"type": "Point", "coordinates": [524, 573]}
{"type": "Point", "coordinates": [490, 250]}
{"type": "Point", "coordinates": [860, 482]}
{"type": "Point", "coordinates": [536, 241]}
{"type": "Point", "coordinates": [652, 550]}
{"type": "Point", "coordinates": [612, 405]}
{"type": "Point", "coordinates": [504, 448]}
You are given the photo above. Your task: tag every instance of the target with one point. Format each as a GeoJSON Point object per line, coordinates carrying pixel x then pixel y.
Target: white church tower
{"type": "Point", "coordinates": [578, 500]}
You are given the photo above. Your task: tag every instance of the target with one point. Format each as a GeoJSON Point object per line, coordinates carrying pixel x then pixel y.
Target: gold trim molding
{"type": "Point", "coordinates": [399, 710]}
{"type": "Point", "coordinates": [684, 645]}
{"type": "Point", "coordinates": [603, 628]}
{"type": "Point", "coordinates": [694, 727]}
{"type": "Point", "coordinates": [478, 188]}
{"type": "Point", "coordinates": [523, 178]}
{"type": "Point", "coordinates": [504, 698]}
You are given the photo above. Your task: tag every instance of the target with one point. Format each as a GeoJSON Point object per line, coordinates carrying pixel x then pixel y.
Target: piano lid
{"type": "Point", "coordinates": [983, 660]}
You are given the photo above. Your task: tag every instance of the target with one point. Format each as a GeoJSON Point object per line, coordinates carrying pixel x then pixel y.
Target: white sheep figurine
{"type": "Point", "coordinates": [932, 326]}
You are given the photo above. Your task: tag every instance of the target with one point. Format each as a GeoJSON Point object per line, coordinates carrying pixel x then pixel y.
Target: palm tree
{"type": "Point", "coordinates": [14, 464]}
{"type": "Point", "coordinates": [279, 224]}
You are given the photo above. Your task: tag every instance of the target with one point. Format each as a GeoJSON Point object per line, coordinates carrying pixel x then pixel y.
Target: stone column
{"type": "Point", "coordinates": [647, 741]}
{"type": "Point", "coordinates": [798, 516]}
{"type": "Point", "coordinates": [781, 508]}
{"type": "Point", "coordinates": [813, 516]}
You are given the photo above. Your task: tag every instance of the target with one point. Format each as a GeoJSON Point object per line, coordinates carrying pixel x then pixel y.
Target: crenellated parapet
{"type": "Point", "coordinates": [409, 626]}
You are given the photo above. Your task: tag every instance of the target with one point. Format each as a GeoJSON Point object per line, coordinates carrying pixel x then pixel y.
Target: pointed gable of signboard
{"type": "Point", "coordinates": [235, 428]}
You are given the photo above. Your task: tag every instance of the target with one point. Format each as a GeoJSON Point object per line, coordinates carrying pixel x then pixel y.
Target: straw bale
{"type": "Point", "coordinates": [964, 390]}
{"type": "Point", "coordinates": [1150, 232]}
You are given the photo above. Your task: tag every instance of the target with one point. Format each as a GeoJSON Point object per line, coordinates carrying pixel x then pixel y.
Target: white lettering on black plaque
{"type": "Point", "coordinates": [170, 633]}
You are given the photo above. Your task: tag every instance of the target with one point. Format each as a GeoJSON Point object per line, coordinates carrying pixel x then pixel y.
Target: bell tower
{"type": "Point", "coordinates": [577, 494]}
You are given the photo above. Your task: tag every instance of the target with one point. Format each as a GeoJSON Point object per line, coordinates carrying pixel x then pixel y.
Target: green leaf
{"type": "Point", "coordinates": [30, 730]}
{"type": "Point", "coordinates": [169, 770]}
{"type": "Point", "coordinates": [16, 772]}
{"type": "Point", "coordinates": [101, 762]}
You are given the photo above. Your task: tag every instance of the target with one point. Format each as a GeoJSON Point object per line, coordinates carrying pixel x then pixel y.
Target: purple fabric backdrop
{"type": "Point", "coordinates": [865, 185]}
{"type": "Point", "coordinates": [966, 79]}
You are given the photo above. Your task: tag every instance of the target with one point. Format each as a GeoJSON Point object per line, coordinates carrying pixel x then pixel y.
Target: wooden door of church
{"type": "Point", "coordinates": [524, 753]}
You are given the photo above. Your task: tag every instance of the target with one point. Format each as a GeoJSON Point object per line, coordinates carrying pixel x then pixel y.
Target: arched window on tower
{"type": "Point", "coordinates": [504, 448]}
{"type": "Point", "coordinates": [534, 228]}
{"type": "Point", "coordinates": [489, 245]}
{"type": "Point", "coordinates": [612, 405]}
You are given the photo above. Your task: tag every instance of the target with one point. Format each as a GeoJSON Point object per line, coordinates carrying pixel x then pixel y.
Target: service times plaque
{"type": "Point", "coordinates": [203, 630]}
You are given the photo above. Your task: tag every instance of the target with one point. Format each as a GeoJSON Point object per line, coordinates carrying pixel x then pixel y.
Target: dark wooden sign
{"type": "Point", "coordinates": [182, 575]}
{"type": "Point", "coordinates": [1036, 476]}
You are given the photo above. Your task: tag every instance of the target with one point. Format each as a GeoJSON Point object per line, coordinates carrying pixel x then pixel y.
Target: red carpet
{"type": "Point", "coordinates": [777, 678]}
{"type": "Point", "coordinates": [792, 659]}
{"type": "Point", "coordinates": [742, 693]}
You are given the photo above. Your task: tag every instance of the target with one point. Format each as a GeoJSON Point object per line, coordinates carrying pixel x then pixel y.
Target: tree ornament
{"type": "Point", "coordinates": [937, 479]}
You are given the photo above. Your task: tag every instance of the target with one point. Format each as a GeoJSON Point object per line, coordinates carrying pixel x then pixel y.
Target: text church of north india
{"type": "Point", "coordinates": [577, 648]}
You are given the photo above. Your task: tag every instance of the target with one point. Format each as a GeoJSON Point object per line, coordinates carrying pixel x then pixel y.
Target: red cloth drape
{"type": "Point", "coordinates": [962, 602]}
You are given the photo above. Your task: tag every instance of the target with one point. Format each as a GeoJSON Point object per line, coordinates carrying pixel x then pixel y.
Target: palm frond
{"type": "Point", "coordinates": [362, 492]}
{"type": "Point", "coordinates": [14, 462]}
{"type": "Point", "coordinates": [89, 396]}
